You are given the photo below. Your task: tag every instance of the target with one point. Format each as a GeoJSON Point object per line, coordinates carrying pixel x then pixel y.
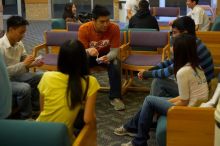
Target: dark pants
{"type": "Point", "coordinates": [25, 93]}
{"type": "Point", "coordinates": [142, 121]}
{"type": "Point", "coordinates": [114, 74]}
{"type": "Point", "coordinates": [164, 88]}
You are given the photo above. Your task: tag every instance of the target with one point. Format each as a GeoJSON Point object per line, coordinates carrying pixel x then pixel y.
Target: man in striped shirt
{"type": "Point", "coordinates": [164, 84]}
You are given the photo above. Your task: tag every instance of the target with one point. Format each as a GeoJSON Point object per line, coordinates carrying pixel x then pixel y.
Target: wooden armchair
{"type": "Point", "coordinates": [143, 51]}
{"type": "Point", "coordinates": [87, 137]}
{"type": "Point", "coordinates": [190, 126]}
{"type": "Point", "coordinates": [173, 12]}
{"type": "Point", "coordinates": [51, 46]}
{"type": "Point", "coordinates": [211, 40]}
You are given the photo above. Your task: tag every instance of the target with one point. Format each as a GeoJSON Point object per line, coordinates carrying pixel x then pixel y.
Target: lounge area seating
{"type": "Point", "coordinates": [139, 54]}
{"type": "Point", "coordinates": [190, 126]}
{"type": "Point", "coordinates": [51, 46]}
{"type": "Point", "coordinates": [30, 133]}
{"type": "Point", "coordinates": [58, 23]}
{"type": "Point", "coordinates": [172, 12]}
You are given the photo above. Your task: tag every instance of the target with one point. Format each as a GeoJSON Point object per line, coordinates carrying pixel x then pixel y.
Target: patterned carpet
{"type": "Point", "coordinates": [107, 117]}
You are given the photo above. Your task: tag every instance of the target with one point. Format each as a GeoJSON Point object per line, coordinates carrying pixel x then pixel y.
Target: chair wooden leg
{"type": "Point", "coordinates": [104, 89]}
{"type": "Point", "coordinates": [129, 86]}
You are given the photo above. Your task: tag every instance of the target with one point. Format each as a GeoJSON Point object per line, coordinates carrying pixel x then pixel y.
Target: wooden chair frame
{"type": "Point", "coordinates": [190, 126]}
{"type": "Point", "coordinates": [211, 40]}
{"type": "Point", "coordinates": [125, 51]}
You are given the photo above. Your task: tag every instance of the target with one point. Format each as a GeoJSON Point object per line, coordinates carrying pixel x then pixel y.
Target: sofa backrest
{"type": "Point", "coordinates": [31, 133]}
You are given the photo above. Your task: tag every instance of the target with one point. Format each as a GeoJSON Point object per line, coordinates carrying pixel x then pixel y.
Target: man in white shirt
{"type": "Point", "coordinates": [131, 7]}
{"type": "Point", "coordinates": [24, 84]}
{"type": "Point", "coordinates": [198, 14]}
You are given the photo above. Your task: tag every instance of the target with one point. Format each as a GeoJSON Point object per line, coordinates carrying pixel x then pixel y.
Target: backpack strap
{"type": "Point", "coordinates": [86, 91]}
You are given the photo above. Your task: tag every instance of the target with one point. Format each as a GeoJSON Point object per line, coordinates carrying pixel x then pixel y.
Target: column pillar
{"type": "Point", "coordinates": [218, 8]}
{"type": "Point", "coordinates": [38, 9]}
{"type": "Point", "coordinates": [116, 9]}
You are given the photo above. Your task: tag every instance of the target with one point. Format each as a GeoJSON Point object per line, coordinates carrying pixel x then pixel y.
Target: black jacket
{"type": "Point", "coordinates": [143, 20]}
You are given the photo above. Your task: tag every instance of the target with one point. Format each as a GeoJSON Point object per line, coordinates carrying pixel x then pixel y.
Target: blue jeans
{"type": "Point", "coordinates": [142, 121]}
{"type": "Point", "coordinates": [25, 93]}
{"type": "Point", "coordinates": [114, 74]}
{"type": "Point", "coordinates": [164, 88]}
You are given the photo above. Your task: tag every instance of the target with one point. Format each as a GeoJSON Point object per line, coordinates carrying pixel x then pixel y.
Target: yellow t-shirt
{"type": "Point", "coordinates": [53, 87]}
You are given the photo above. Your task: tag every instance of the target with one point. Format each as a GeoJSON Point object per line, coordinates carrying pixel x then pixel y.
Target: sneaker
{"type": "Point", "coordinates": [121, 131]}
{"type": "Point", "coordinates": [127, 144]}
{"type": "Point", "coordinates": [118, 104]}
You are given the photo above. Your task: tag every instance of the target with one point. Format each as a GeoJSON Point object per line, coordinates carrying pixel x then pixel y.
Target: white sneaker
{"type": "Point", "coordinates": [121, 131]}
{"type": "Point", "coordinates": [127, 144]}
{"type": "Point", "coordinates": [118, 104]}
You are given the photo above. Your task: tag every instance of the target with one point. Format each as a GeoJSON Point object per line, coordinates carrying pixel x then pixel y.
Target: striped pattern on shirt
{"type": "Point", "coordinates": [165, 69]}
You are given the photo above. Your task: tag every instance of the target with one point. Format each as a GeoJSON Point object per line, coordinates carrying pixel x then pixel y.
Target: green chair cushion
{"type": "Point", "coordinates": [161, 131]}
{"type": "Point", "coordinates": [31, 133]}
{"type": "Point", "coordinates": [58, 23]}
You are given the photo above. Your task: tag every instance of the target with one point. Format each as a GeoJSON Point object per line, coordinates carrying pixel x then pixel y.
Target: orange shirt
{"type": "Point", "coordinates": [101, 41]}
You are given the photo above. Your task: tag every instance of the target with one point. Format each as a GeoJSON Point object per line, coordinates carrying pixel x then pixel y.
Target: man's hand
{"type": "Point", "coordinates": [140, 75]}
{"type": "Point", "coordinates": [92, 51]}
{"type": "Point", "coordinates": [36, 62]}
{"type": "Point", "coordinates": [104, 59]}
{"type": "Point", "coordinates": [170, 23]}
{"type": "Point", "coordinates": [28, 60]}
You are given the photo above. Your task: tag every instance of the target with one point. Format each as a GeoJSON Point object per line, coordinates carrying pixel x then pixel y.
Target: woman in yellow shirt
{"type": "Point", "coordinates": [61, 91]}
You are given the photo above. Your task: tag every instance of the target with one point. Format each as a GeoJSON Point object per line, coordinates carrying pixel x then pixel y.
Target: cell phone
{"type": "Point", "coordinates": [99, 61]}
{"type": "Point", "coordinates": [38, 58]}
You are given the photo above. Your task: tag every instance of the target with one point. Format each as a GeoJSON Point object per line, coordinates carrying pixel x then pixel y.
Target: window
{"type": "Point", "coordinates": [154, 3]}
{"type": "Point", "coordinates": [177, 3]}
{"type": "Point", "coordinates": [82, 6]}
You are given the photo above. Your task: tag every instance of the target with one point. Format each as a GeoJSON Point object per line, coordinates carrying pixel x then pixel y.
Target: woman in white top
{"type": "Point", "coordinates": [192, 86]}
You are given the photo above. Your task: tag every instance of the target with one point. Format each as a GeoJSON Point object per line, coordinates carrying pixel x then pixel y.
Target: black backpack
{"type": "Point", "coordinates": [85, 17]}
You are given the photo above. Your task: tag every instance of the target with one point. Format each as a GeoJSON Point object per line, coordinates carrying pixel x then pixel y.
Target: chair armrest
{"type": "Point", "coordinates": [87, 136]}
{"type": "Point", "coordinates": [190, 126]}
{"type": "Point", "coordinates": [124, 51]}
{"type": "Point", "coordinates": [40, 47]}
{"type": "Point", "coordinates": [166, 52]}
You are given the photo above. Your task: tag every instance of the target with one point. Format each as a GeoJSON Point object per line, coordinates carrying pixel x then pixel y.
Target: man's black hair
{"type": "Point", "coordinates": [100, 11]}
{"type": "Point", "coordinates": [16, 21]}
{"type": "Point", "coordinates": [197, 1]}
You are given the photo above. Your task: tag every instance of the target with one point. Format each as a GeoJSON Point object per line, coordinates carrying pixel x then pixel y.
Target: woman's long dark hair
{"type": "Point", "coordinates": [185, 51]}
{"type": "Point", "coordinates": [72, 60]}
{"type": "Point", "coordinates": [68, 11]}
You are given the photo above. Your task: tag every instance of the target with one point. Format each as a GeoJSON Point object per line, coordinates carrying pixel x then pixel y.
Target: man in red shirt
{"type": "Point", "coordinates": [101, 39]}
